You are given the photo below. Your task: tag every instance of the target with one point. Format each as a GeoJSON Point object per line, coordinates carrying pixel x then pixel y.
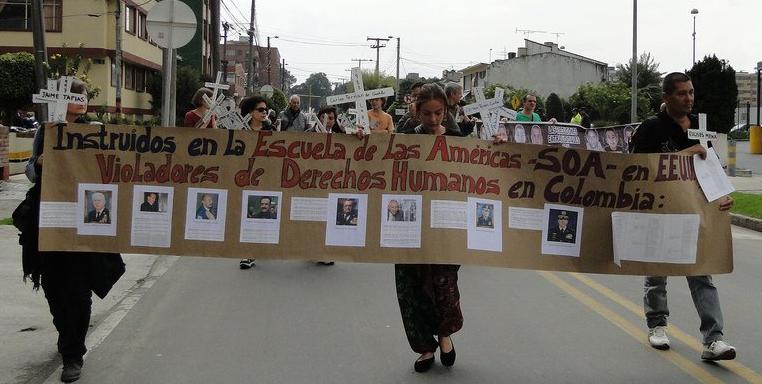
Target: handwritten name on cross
{"type": "Point", "coordinates": [359, 97]}
{"type": "Point", "coordinates": [58, 96]}
{"type": "Point", "coordinates": [701, 134]}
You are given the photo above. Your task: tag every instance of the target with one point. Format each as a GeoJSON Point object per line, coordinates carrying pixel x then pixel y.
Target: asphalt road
{"type": "Point", "coordinates": [206, 321]}
{"type": "Point", "coordinates": [746, 160]}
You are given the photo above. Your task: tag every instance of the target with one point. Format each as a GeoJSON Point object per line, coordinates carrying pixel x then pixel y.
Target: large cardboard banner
{"type": "Point", "coordinates": [385, 198]}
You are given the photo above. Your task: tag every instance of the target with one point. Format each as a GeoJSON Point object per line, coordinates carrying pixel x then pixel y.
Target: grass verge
{"type": "Point", "coordinates": [747, 204]}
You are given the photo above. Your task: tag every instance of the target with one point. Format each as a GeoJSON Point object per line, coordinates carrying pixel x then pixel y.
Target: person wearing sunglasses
{"type": "Point", "coordinates": [256, 106]}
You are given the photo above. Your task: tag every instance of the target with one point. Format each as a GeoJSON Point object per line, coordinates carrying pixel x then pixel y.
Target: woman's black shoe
{"type": "Point", "coordinates": [447, 358]}
{"type": "Point", "coordinates": [424, 365]}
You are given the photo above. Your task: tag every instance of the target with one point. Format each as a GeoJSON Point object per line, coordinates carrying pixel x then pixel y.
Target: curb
{"type": "Point", "coordinates": [746, 222]}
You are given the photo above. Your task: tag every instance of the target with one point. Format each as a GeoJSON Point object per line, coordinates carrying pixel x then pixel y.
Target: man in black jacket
{"type": "Point", "coordinates": [667, 132]}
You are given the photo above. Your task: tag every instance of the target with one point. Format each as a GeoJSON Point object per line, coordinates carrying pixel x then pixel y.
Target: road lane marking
{"type": "Point", "coordinates": [631, 329]}
{"type": "Point", "coordinates": [739, 369]}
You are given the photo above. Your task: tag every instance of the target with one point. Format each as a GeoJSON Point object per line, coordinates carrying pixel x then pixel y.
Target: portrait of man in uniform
{"type": "Point", "coordinates": [563, 228]}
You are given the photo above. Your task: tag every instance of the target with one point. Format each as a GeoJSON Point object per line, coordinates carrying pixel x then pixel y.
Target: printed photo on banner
{"type": "Point", "coordinates": [154, 201]}
{"type": "Point", "coordinates": [260, 217]}
{"type": "Point", "coordinates": [485, 226]}
{"type": "Point", "coordinates": [205, 214]}
{"type": "Point", "coordinates": [484, 214]}
{"type": "Point", "coordinates": [400, 221]}
{"type": "Point", "coordinates": [562, 230]}
{"type": "Point", "coordinates": [97, 207]}
{"type": "Point", "coordinates": [262, 207]}
{"type": "Point", "coordinates": [206, 205]}
{"type": "Point", "coordinates": [346, 220]}
{"type": "Point", "coordinates": [151, 216]}
{"type": "Point", "coordinates": [346, 211]}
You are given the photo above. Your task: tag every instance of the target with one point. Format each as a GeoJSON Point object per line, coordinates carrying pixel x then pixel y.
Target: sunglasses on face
{"type": "Point", "coordinates": [262, 110]}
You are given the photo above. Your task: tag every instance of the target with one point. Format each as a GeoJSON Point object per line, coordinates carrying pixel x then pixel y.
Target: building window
{"type": "Point", "coordinates": [16, 15]}
{"type": "Point", "coordinates": [129, 76]}
{"type": "Point", "coordinates": [140, 79]}
{"type": "Point", "coordinates": [142, 28]}
{"type": "Point", "coordinates": [129, 19]}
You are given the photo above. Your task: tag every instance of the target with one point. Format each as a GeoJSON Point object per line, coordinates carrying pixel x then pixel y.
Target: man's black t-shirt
{"type": "Point", "coordinates": [661, 134]}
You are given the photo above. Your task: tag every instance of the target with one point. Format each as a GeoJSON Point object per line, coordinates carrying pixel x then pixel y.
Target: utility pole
{"type": "Point", "coordinates": [40, 56]}
{"type": "Point", "coordinates": [398, 64]}
{"type": "Point", "coordinates": [224, 61]}
{"type": "Point", "coordinates": [283, 76]}
{"type": "Point", "coordinates": [634, 65]}
{"type": "Point", "coordinates": [249, 75]}
{"type": "Point", "coordinates": [377, 47]}
{"type": "Point", "coordinates": [359, 61]}
{"type": "Point", "coordinates": [269, 81]}
{"type": "Point", "coordinates": [118, 58]}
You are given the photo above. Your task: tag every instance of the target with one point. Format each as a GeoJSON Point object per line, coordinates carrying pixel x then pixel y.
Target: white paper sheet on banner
{"type": "Point", "coordinates": [152, 227]}
{"type": "Point", "coordinates": [525, 218]}
{"type": "Point", "coordinates": [448, 214]}
{"type": "Point", "coordinates": [199, 228]}
{"type": "Point", "coordinates": [487, 235]}
{"type": "Point", "coordinates": [58, 215]}
{"type": "Point", "coordinates": [90, 222]}
{"type": "Point", "coordinates": [258, 222]}
{"type": "Point", "coordinates": [401, 228]}
{"type": "Point", "coordinates": [308, 208]}
{"type": "Point", "coordinates": [711, 176]}
{"type": "Point", "coordinates": [655, 238]}
{"type": "Point", "coordinates": [346, 233]}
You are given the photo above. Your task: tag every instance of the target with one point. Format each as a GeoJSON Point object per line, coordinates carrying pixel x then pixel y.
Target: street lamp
{"type": "Point", "coordinates": [269, 80]}
{"type": "Point", "coordinates": [694, 12]}
{"type": "Point", "coordinates": [398, 62]}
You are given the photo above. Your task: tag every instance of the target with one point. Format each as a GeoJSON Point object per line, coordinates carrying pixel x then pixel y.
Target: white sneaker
{"type": "Point", "coordinates": [718, 350]}
{"type": "Point", "coordinates": [657, 336]}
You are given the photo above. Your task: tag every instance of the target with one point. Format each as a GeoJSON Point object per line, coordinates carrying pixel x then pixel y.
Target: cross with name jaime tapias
{"type": "Point", "coordinates": [58, 96]}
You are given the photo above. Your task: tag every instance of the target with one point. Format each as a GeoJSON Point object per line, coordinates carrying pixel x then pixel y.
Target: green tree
{"type": "Point", "coordinates": [77, 66]}
{"type": "Point", "coordinates": [555, 108]}
{"type": "Point", "coordinates": [17, 79]}
{"type": "Point", "coordinates": [716, 91]}
{"type": "Point", "coordinates": [278, 101]}
{"type": "Point", "coordinates": [317, 85]}
{"type": "Point", "coordinates": [609, 103]}
{"type": "Point", "coordinates": [648, 78]}
{"type": "Point", "coordinates": [188, 82]}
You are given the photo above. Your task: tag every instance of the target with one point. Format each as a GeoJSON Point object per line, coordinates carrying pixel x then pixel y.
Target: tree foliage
{"type": "Point", "coordinates": [278, 101]}
{"type": "Point", "coordinates": [17, 79]}
{"type": "Point", "coordinates": [648, 78]}
{"type": "Point", "coordinates": [188, 81]}
{"type": "Point", "coordinates": [609, 103]}
{"type": "Point", "coordinates": [554, 107]}
{"type": "Point", "coordinates": [317, 85]}
{"type": "Point", "coordinates": [714, 82]}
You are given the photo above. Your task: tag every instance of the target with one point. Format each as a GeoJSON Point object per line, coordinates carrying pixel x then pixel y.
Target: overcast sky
{"type": "Point", "coordinates": [323, 36]}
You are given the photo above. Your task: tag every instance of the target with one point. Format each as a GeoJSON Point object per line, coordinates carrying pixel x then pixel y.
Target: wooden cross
{"type": "Point", "coordinates": [490, 110]}
{"type": "Point", "coordinates": [58, 96]}
{"type": "Point", "coordinates": [216, 86]}
{"type": "Point", "coordinates": [701, 134]}
{"type": "Point", "coordinates": [359, 97]}
{"type": "Point", "coordinates": [229, 117]}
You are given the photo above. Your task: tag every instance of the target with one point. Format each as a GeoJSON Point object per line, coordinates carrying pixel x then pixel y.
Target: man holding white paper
{"type": "Point", "coordinates": [667, 132]}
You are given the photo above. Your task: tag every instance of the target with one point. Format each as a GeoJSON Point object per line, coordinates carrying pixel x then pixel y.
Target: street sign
{"type": "Point", "coordinates": [171, 24]}
{"type": "Point", "coordinates": [267, 91]}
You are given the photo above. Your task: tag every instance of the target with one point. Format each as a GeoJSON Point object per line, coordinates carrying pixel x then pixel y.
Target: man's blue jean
{"type": "Point", "coordinates": [705, 298]}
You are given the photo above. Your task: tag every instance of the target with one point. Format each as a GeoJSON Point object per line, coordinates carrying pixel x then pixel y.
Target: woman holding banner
{"type": "Point", "coordinates": [428, 293]}
{"type": "Point", "coordinates": [67, 278]}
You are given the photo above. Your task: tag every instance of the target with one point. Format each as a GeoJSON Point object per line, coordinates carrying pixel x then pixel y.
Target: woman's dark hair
{"type": "Point", "coordinates": [326, 110]}
{"type": "Point", "coordinates": [429, 92]}
{"type": "Point", "coordinates": [198, 97]}
{"type": "Point", "coordinates": [78, 86]}
{"type": "Point", "coordinates": [248, 104]}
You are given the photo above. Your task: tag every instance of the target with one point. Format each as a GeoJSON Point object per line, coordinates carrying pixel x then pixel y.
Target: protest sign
{"type": "Point", "coordinates": [383, 198]}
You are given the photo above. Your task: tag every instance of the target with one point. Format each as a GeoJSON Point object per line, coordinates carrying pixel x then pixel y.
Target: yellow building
{"type": "Point", "coordinates": [88, 28]}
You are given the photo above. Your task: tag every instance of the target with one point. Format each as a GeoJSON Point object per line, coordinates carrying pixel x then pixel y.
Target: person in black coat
{"type": "Point", "coordinates": [67, 278]}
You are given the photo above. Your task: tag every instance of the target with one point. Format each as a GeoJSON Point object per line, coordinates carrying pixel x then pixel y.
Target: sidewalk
{"type": "Point", "coordinates": [26, 329]}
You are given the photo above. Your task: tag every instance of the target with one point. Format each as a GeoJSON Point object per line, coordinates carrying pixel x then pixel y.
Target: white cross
{"type": "Point", "coordinates": [229, 117]}
{"type": "Point", "coordinates": [216, 86]}
{"type": "Point", "coordinates": [317, 123]}
{"type": "Point", "coordinates": [359, 97]}
{"type": "Point", "coordinates": [213, 106]}
{"type": "Point", "coordinates": [490, 110]}
{"type": "Point", "coordinates": [58, 96]}
{"type": "Point", "coordinates": [346, 122]}
{"type": "Point", "coordinates": [701, 134]}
